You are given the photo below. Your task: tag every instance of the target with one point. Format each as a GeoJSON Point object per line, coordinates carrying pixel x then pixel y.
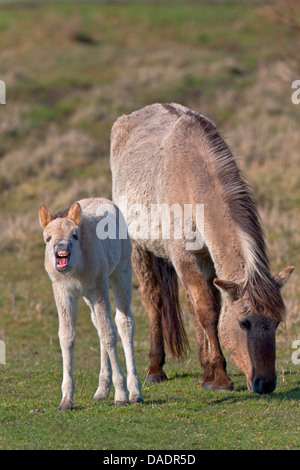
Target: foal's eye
{"type": "Point", "coordinates": [48, 239]}
{"type": "Point", "coordinates": [245, 324]}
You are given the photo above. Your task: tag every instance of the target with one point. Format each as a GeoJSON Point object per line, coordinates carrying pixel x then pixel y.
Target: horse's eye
{"type": "Point", "coordinates": [245, 324]}
{"type": "Point", "coordinates": [75, 236]}
{"type": "Point", "coordinates": [48, 239]}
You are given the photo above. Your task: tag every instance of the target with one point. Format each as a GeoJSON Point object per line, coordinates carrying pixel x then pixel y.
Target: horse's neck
{"type": "Point", "coordinates": [227, 253]}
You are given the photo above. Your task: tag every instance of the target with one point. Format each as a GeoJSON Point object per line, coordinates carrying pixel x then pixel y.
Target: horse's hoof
{"type": "Point", "coordinates": [207, 385]}
{"type": "Point", "coordinates": [156, 378]}
{"type": "Point", "coordinates": [224, 388]}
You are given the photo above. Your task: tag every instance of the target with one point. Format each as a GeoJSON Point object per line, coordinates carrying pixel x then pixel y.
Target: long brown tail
{"type": "Point", "coordinates": [173, 328]}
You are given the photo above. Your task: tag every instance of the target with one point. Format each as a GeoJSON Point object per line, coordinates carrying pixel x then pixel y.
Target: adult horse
{"type": "Point", "coordinates": [166, 154]}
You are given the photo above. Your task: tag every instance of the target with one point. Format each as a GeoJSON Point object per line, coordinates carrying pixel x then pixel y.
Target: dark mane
{"type": "Point", "coordinates": [61, 214]}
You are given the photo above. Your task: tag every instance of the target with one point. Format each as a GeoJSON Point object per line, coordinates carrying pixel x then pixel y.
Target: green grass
{"type": "Point", "coordinates": [71, 68]}
{"type": "Point", "coordinates": [176, 415]}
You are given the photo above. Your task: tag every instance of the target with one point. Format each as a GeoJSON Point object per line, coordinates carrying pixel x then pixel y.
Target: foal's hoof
{"type": "Point", "coordinates": [137, 400]}
{"type": "Point", "coordinates": [155, 378]}
{"type": "Point", "coordinates": [66, 406]}
{"type": "Point", "coordinates": [121, 403]}
{"type": "Point", "coordinates": [100, 397]}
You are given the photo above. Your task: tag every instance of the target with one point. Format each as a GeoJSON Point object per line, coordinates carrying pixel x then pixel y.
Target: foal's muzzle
{"type": "Point", "coordinates": [62, 252]}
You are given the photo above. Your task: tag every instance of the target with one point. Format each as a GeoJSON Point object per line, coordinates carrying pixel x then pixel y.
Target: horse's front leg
{"type": "Point", "coordinates": [67, 314]}
{"type": "Point", "coordinates": [205, 310]}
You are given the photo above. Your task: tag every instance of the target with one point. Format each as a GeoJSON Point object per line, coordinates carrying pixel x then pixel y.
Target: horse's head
{"type": "Point", "coordinates": [248, 327]}
{"type": "Point", "coordinates": [61, 235]}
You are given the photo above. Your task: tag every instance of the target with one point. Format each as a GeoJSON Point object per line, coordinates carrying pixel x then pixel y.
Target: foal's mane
{"type": "Point", "coordinates": [263, 290]}
{"type": "Point", "coordinates": [61, 214]}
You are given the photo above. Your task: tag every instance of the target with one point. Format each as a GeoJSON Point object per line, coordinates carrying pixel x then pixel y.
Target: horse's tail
{"type": "Point", "coordinates": [172, 323]}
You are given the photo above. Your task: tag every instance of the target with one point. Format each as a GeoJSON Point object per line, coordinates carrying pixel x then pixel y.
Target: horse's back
{"type": "Point", "coordinates": [146, 127]}
{"type": "Point", "coordinates": [161, 154]}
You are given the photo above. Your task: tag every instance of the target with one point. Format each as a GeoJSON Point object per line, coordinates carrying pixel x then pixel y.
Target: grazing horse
{"type": "Point", "coordinates": [82, 263]}
{"type": "Point", "coordinates": [168, 155]}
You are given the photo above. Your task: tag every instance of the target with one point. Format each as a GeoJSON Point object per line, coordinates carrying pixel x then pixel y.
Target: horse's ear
{"type": "Point", "coordinates": [74, 213]}
{"type": "Point", "coordinates": [231, 288]}
{"type": "Point", "coordinates": [45, 216]}
{"type": "Point", "coordinates": [283, 277]}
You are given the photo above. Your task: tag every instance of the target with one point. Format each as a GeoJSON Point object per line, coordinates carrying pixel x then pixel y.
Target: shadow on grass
{"type": "Point", "coordinates": [184, 375]}
{"type": "Point", "coordinates": [241, 392]}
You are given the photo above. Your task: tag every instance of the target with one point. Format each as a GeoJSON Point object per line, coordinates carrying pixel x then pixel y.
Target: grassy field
{"type": "Point", "coordinates": [70, 70]}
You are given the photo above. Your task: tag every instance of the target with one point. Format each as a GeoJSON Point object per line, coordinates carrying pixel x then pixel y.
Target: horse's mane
{"type": "Point", "coordinates": [263, 290]}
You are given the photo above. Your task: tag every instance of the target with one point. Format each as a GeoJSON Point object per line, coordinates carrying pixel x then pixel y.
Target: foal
{"type": "Point", "coordinates": [79, 263]}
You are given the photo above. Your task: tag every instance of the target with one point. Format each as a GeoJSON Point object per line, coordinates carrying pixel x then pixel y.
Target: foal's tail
{"type": "Point", "coordinates": [173, 328]}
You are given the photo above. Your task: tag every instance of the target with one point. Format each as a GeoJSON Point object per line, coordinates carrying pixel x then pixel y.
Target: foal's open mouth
{"type": "Point", "coordinates": [62, 260]}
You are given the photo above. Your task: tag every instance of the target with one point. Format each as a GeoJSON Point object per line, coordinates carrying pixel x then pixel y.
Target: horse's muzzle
{"type": "Point", "coordinates": [264, 385]}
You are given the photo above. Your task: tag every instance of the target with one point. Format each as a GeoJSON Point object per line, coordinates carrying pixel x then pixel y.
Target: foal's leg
{"type": "Point", "coordinates": [105, 375]}
{"type": "Point", "coordinates": [122, 289]}
{"type": "Point", "coordinates": [101, 317]}
{"type": "Point", "coordinates": [204, 304]}
{"type": "Point", "coordinates": [151, 292]}
{"type": "Point", "coordinates": [67, 314]}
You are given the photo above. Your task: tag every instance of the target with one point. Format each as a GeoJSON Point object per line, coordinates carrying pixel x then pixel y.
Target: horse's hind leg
{"type": "Point", "coordinates": [206, 311]}
{"type": "Point", "coordinates": [152, 296]}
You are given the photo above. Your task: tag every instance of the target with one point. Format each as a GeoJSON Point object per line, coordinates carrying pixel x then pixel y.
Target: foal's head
{"type": "Point", "coordinates": [61, 235]}
{"type": "Point", "coordinates": [249, 319]}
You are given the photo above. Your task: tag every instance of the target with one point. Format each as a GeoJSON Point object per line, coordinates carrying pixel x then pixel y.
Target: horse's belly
{"type": "Point", "coordinates": [157, 247]}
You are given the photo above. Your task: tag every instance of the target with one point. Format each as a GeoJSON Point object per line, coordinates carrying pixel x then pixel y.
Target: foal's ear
{"type": "Point", "coordinates": [231, 288]}
{"type": "Point", "coordinates": [45, 216]}
{"type": "Point", "coordinates": [283, 277]}
{"type": "Point", "coordinates": [74, 213]}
